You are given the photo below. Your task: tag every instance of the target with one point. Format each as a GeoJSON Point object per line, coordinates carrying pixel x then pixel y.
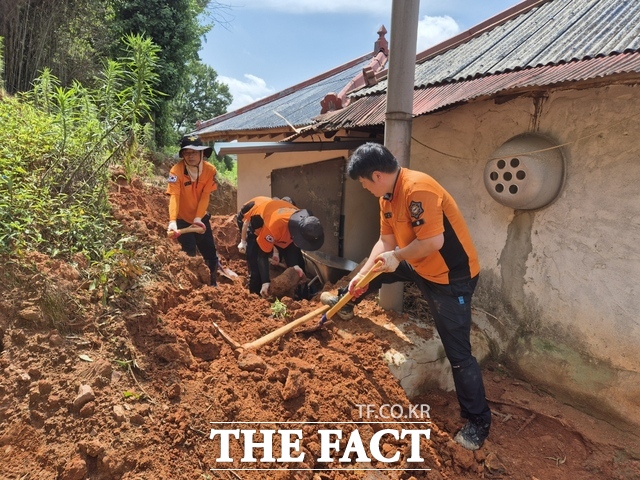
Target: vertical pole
{"type": "Point", "coordinates": [399, 114]}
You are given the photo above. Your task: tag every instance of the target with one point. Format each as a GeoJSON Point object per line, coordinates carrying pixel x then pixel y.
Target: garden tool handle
{"type": "Point", "coordinates": [180, 231]}
{"type": "Point", "coordinates": [284, 329]}
{"type": "Point", "coordinates": [371, 274]}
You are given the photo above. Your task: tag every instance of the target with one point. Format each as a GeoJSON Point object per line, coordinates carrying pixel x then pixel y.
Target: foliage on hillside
{"type": "Point", "coordinates": [73, 39]}
{"type": "Point", "coordinates": [56, 147]}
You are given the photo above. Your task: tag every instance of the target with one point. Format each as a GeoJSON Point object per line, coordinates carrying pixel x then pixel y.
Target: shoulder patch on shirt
{"type": "Point", "coordinates": [172, 178]}
{"type": "Point", "coordinates": [269, 238]}
{"type": "Point", "coordinates": [416, 210]}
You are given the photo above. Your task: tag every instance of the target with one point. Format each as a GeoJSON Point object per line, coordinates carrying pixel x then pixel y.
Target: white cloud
{"type": "Point", "coordinates": [433, 30]}
{"type": "Point", "coordinates": [376, 7]}
{"type": "Point", "coordinates": [247, 91]}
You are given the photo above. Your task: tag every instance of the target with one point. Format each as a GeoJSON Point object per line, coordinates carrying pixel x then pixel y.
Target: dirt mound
{"type": "Point", "coordinates": [130, 387]}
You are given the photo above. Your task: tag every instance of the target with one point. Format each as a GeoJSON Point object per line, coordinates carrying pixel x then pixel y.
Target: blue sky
{"type": "Point", "coordinates": [260, 47]}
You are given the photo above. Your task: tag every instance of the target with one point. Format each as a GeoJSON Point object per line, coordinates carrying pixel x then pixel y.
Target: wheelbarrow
{"type": "Point", "coordinates": [326, 268]}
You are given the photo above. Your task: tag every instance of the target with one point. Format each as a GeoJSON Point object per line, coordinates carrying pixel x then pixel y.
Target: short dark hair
{"type": "Point", "coordinates": [371, 157]}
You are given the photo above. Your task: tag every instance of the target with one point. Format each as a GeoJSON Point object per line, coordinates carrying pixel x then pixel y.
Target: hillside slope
{"type": "Point", "coordinates": [128, 387]}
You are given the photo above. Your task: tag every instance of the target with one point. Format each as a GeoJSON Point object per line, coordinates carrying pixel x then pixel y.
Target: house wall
{"type": "Point", "coordinates": [361, 221]}
{"type": "Point", "coordinates": [562, 283]}
{"type": "Point", "coordinates": [360, 207]}
{"type": "Point", "coordinates": [254, 170]}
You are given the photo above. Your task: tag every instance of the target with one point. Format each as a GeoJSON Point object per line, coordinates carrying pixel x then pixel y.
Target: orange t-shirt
{"type": "Point", "coordinates": [192, 195]}
{"type": "Point", "coordinates": [421, 208]}
{"type": "Point", "coordinates": [275, 216]}
{"type": "Point", "coordinates": [252, 203]}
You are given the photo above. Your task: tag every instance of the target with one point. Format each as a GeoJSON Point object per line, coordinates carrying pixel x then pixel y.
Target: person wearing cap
{"type": "Point", "coordinates": [189, 185]}
{"type": "Point", "coordinates": [276, 225]}
{"type": "Point", "coordinates": [424, 239]}
{"type": "Point", "coordinates": [243, 221]}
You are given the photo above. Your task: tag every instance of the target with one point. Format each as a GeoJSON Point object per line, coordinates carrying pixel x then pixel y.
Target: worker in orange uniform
{"type": "Point", "coordinates": [276, 227]}
{"type": "Point", "coordinates": [189, 185]}
{"type": "Point", "coordinates": [243, 223]}
{"type": "Point", "coordinates": [425, 240]}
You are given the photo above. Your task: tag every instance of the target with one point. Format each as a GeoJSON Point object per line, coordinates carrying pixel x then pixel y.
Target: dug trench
{"type": "Point", "coordinates": [101, 386]}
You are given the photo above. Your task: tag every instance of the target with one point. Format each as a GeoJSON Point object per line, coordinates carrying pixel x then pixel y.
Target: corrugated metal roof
{"type": "Point", "coordinates": [554, 32]}
{"type": "Point", "coordinates": [370, 110]}
{"type": "Point", "coordinates": [298, 107]}
{"type": "Point", "coordinates": [542, 43]}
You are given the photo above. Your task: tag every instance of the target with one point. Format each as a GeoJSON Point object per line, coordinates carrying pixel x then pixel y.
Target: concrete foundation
{"type": "Point", "coordinates": [415, 355]}
{"type": "Point", "coordinates": [417, 358]}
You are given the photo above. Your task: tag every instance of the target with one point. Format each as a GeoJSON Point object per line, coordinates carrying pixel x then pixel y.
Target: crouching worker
{"type": "Point", "coordinates": [276, 228]}
{"type": "Point", "coordinates": [189, 185]}
{"type": "Point", "coordinates": [425, 240]}
{"type": "Point", "coordinates": [243, 222]}
{"type": "Point", "coordinates": [242, 219]}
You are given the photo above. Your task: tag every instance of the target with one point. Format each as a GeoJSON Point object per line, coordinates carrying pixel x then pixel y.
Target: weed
{"type": "Point", "coordinates": [129, 395]}
{"type": "Point", "coordinates": [278, 309]}
{"type": "Point", "coordinates": [124, 364]}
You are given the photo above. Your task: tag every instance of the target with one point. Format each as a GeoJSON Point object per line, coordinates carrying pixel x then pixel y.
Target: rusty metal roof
{"type": "Point", "coordinates": [549, 32]}
{"type": "Point", "coordinates": [535, 43]}
{"type": "Point", "coordinates": [370, 110]}
{"type": "Point", "coordinates": [297, 105]}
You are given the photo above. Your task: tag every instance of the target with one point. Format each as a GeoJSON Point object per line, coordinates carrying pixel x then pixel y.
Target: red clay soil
{"type": "Point", "coordinates": [128, 387]}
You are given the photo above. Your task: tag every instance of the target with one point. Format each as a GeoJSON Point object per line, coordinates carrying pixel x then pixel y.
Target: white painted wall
{"type": "Point", "coordinates": [567, 275]}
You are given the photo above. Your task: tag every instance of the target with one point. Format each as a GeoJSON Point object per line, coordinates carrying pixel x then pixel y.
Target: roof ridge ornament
{"type": "Point", "coordinates": [381, 45]}
{"type": "Point", "coordinates": [367, 77]}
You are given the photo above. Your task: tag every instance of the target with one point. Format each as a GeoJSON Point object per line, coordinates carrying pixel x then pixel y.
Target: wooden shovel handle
{"type": "Point", "coordinates": [189, 229]}
{"type": "Point", "coordinates": [285, 328]}
{"type": "Point", "coordinates": [317, 312]}
{"type": "Point", "coordinates": [371, 274]}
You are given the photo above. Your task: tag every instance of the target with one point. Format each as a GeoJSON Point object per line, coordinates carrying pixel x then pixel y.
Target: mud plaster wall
{"type": "Point", "coordinates": [254, 170]}
{"type": "Point", "coordinates": [562, 282]}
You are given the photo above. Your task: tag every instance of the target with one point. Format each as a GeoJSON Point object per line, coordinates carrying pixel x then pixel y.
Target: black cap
{"type": "Point", "coordinates": [193, 142]}
{"type": "Point", "coordinates": [306, 230]}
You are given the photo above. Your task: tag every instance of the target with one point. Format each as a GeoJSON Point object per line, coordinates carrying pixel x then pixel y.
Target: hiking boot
{"type": "Point", "coordinates": [472, 435]}
{"type": "Point", "coordinates": [345, 313]}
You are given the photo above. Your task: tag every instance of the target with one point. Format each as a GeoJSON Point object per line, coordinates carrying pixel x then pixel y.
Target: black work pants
{"type": "Point", "coordinates": [192, 243]}
{"type": "Point", "coordinates": [450, 307]}
{"type": "Point", "coordinates": [258, 261]}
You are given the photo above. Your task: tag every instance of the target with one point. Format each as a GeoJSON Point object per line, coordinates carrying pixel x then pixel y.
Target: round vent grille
{"type": "Point", "coordinates": [526, 172]}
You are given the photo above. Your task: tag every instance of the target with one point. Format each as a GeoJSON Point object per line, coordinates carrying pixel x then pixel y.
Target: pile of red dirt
{"type": "Point", "coordinates": [100, 385]}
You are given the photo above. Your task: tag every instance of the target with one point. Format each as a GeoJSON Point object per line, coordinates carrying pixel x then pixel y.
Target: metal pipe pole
{"type": "Point", "coordinates": [399, 114]}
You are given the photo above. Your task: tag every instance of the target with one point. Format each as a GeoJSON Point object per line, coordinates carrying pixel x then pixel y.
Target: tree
{"type": "Point", "coordinates": [1, 65]}
{"type": "Point", "coordinates": [67, 36]}
{"type": "Point", "coordinates": [201, 97]}
{"type": "Point", "coordinates": [174, 26]}
{"type": "Point", "coordinates": [74, 39]}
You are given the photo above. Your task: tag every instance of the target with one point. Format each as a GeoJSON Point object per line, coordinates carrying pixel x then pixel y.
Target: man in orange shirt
{"type": "Point", "coordinates": [278, 226]}
{"type": "Point", "coordinates": [424, 239]}
{"type": "Point", "coordinates": [243, 222]}
{"type": "Point", "coordinates": [189, 185]}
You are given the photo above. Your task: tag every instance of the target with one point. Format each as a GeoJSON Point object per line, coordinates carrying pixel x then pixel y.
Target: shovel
{"type": "Point", "coordinates": [268, 338]}
{"type": "Point", "coordinates": [326, 311]}
{"type": "Point", "coordinates": [364, 281]}
{"type": "Point", "coordinates": [226, 271]}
